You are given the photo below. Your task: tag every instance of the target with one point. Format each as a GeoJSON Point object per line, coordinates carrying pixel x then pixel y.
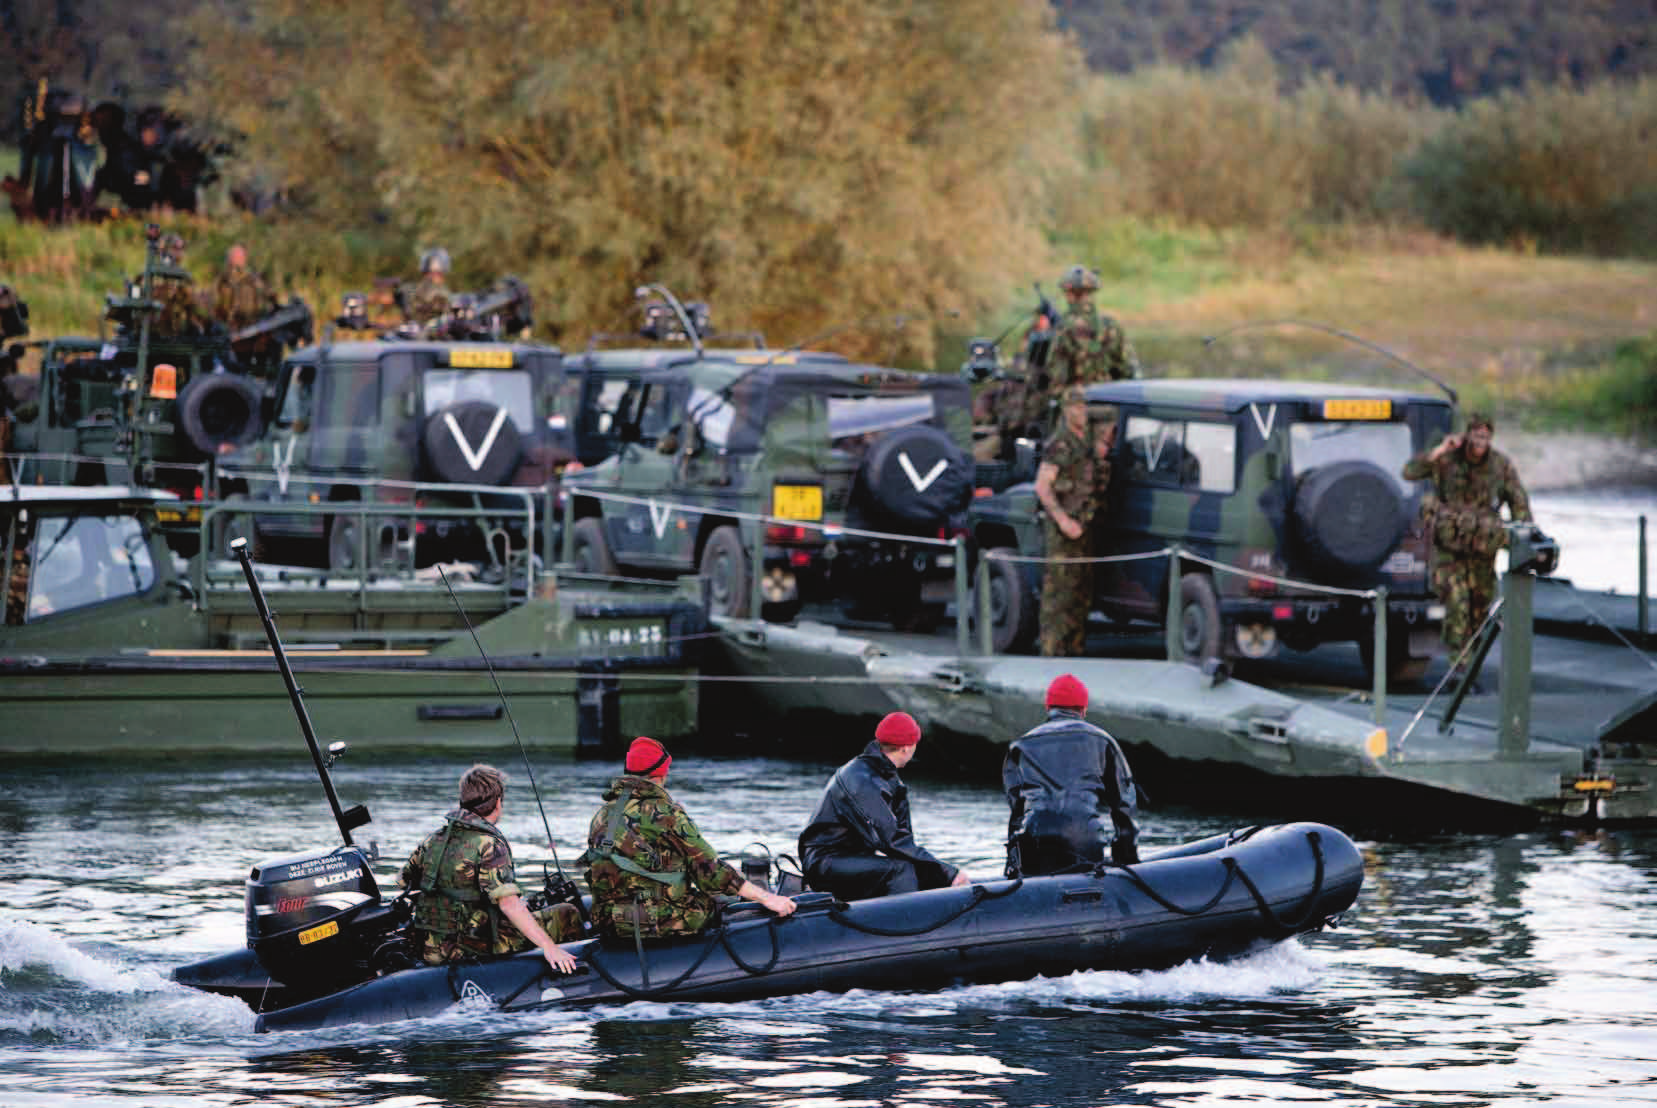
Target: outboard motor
{"type": "Point", "coordinates": [316, 916]}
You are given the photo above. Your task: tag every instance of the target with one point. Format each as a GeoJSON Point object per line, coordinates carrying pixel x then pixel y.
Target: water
{"type": "Point", "coordinates": [1598, 533]}
{"type": "Point", "coordinates": [1473, 970]}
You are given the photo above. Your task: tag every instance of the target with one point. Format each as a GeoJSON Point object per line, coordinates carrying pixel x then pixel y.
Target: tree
{"type": "Point", "coordinates": [798, 165]}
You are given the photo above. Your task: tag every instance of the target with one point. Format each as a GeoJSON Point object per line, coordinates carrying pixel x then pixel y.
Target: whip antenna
{"type": "Point", "coordinates": [1338, 333]}
{"type": "Point", "coordinates": [461, 608]}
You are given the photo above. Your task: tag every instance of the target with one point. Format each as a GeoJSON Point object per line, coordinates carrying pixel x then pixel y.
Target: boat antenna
{"type": "Point", "coordinates": [459, 607]}
{"type": "Point", "coordinates": [1349, 336]}
{"type": "Point", "coordinates": [357, 815]}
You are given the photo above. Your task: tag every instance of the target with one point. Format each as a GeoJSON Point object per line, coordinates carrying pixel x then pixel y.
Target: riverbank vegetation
{"type": "Point", "coordinates": [803, 167]}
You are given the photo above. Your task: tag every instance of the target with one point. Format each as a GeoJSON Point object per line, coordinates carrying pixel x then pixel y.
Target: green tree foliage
{"type": "Point", "coordinates": [1557, 168]}
{"type": "Point", "coordinates": [796, 164]}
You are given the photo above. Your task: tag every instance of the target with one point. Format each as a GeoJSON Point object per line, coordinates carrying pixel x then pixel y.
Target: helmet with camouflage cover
{"type": "Point", "coordinates": [172, 246]}
{"type": "Point", "coordinates": [434, 260]}
{"type": "Point", "coordinates": [1079, 278]}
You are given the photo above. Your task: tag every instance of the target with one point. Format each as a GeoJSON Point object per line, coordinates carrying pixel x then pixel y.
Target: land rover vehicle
{"type": "Point", "coordinates": [810, 446]}
{"type": "Point", "coordinates": [1292, 482]}
{"type": "Point", "coordinates": [381, 420]}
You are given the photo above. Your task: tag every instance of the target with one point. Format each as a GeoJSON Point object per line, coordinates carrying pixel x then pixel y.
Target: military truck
{"type": "Point", "coordinates": [143, 405]}
{"type": "Point", "coordinates": [849, 469]}
{"type": "Point", "coordinates": [1297, 483]}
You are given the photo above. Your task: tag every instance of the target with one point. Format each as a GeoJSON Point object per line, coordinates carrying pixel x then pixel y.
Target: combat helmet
{"type": "Point", "coordinates": [1079, 278]}
{"type": "Point", "coordinates": [436, 258]}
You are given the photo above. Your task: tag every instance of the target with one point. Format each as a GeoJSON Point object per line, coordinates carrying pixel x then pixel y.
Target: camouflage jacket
{"type": "Point", "coordinates": [428, 301]}
{"type": "Point", "coordinates": [462, 870]}
{"type": "Point", "coordinates": [647, 862]}
{"type": "Point", "coordinates": [1089, 347]}
{"type": "Point", "coordinates": [1463, 508]}
{"type": "Point", "coordinates": [241, 297]}
{"type": "Point", "coordinates": [1075, 485]}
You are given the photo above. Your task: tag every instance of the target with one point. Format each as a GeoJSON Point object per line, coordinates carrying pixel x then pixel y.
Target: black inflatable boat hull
{"type": "Point", "coordinates": [1217, 898]}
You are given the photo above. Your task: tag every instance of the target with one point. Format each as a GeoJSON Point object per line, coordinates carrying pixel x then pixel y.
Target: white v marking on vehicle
{"type": "Point", "coordinates": [1155, 450]}
{"type": "Point", "coordinates": [659, 515]}
{"type": "Point", "coordinates": [1265, 425]}
{"type": "Point", "coordinates": [283, 463]}
{"type": "Point", "coordinates": [921, 483]}
{"type": "Point", "coordinates": [475, 460]}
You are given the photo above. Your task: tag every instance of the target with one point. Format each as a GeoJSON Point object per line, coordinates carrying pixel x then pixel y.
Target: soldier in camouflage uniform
{"type": "Point", "coordinates": [1089, 347]}
{"type": "Point", "coordinates": [1067, 489]}
{"type": "Point", "coordinates": [179, 312]}
{"type": "Point", "coordinates": [240, 296]}
{"type": "Point", "coordinates": [470, 904]}
{"type": "Point", "coordinates": [430, 299]}
{"type": "Point", "coordinates": [651, 872]}
{"type": "Point", "coordinates": [1463, 510]}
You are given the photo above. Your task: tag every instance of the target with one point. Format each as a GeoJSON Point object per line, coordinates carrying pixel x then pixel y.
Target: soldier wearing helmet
{"type": "Point", "coordinates": [174, 289]}
{"type": "Point", "coordinates": [1089, 347]}
{"type": "Point", "coordinates": [430, 299]}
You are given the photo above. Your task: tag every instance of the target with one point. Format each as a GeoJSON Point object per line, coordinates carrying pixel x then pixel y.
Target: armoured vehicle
{"type": "Point", "coordinates": [858, 474]}
{"type": "Point", "coordinates": [148, 405]}
{"type": "Point", "coordinates": [1297, 484]}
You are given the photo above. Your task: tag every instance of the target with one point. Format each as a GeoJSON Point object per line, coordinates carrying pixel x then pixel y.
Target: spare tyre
{"type": "Point", "coordinates": [1349, 517]}
{"type": "Point", "coordinates": [473, 443]}
{"type": "Point", "coordinates": [219, 410]}
{"type": "Point", "coordinates": [916, 477]}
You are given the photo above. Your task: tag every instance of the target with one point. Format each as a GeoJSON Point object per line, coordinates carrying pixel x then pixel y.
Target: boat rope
{"type": "Point", "coordinates": [720, 937]}
{"type": "Point", "coordinates": [979, 895]}
{"type": "Point", "coordinates": [1235, 872]}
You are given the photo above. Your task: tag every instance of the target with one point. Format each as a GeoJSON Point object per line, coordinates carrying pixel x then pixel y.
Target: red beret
{"type": "Point", "coordinates": [1066, 692]}
{"type": "Point", "coordinates": [648, 757]}
{"type": "Point", "coordinates": [898, 729]}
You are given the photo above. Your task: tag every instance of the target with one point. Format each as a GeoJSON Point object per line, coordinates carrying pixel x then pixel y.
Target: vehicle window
{"type": "Point", "coordinates": [606, 403]}
{"type": "Point", "coordinates": [350, 397]}
{"type": "Point", "coordinates": [1387, 445]}
{"type": "Point", "coordinates": [1200, 456]}
{"type": "Point", "coordinates": [851, 416]}
{"type": "Point", "coordinates": [714, 415]}
{"type": "Point", "coordinates": [506, 388]}
{"type": "Point", "coordinates": [296, 398]}
{"type": "Point", "coordinates": [83, 560]}
{"type": "Point", "coordinates": [1212, 449]}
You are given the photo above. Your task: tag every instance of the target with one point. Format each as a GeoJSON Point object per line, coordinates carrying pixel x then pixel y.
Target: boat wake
{"type": "Point", "coordinates": [55, 994]}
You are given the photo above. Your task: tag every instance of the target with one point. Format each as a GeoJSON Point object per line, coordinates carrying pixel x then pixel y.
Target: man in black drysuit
{"type": "Point", "coordinates": [1070, 791]}
{"type": "Point", "coordinates": [859, 843]}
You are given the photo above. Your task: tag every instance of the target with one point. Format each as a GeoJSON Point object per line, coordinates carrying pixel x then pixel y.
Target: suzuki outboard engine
{"type": "Point", "coordinates": [316, 916]}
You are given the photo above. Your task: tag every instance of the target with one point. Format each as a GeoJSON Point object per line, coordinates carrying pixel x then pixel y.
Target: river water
{"type": "Point", "coordinates": [1472, 971]}
{"type": "Point", "coordinates": [1598, 531]}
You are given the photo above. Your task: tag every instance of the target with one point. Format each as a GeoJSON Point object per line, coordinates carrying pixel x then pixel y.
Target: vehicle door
{"type": "Point", "coordinates": [649, 524]}
{"type": "Point", "coordinates": [1173, 483]}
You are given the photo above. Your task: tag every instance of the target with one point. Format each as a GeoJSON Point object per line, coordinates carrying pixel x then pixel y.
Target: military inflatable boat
{"type": "Point", "coordinates": [325, 949]}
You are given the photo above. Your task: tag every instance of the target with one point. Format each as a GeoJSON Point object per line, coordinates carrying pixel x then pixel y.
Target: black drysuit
{"type": "Point", "coordinates": [859, 842]}
{"type": "Point", "coordinates": [1071, 795]}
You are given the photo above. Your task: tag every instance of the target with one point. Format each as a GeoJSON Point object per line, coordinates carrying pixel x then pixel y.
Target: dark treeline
{"type": "Point", "coordinates": [1447, 52]}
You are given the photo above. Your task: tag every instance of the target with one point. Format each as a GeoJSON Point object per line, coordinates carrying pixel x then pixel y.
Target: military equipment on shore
{"type": "Point", "coordinates": [1265, 484]}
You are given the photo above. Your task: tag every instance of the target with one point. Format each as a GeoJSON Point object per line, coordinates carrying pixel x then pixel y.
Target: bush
{"type": "Point", "coordinates": [1556, 168]}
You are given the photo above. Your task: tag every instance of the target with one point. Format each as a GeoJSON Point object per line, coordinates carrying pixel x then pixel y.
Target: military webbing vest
{"type": "Point", "coordinates": [605, 851]}
{"type": "Point", "coordinates": [445, 909]}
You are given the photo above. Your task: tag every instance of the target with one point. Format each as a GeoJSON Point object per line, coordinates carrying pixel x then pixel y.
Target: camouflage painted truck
{"type": "Point", "coordinates": [1297, 483]}
{"type": "Point", "coordinates": [859, 476]}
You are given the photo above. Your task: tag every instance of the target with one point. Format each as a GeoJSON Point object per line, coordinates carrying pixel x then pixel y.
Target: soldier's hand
{"type": "Point", "coordinates": [560, 959]}
{"type": "Point", "coordinates": [780, 905]}
{"type": "Point", "coordinates": [1071, 529]}
{"type": "Point", "coordinates": [961, 878]}
{"type": "Point", "coordinates": [1451, 442]}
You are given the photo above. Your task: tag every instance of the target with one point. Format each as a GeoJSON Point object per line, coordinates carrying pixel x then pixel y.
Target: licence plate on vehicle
{"type": "Point", "coordinates": [471, 358]}
{"type": "Point", "coordinates": [178, 515]}
{"type": "Point", "coordinates": [797, 501]}
{"type": "Point", "coordinates": [315, 934]}
{"type": "Point", "coordinates": [1357, 409]}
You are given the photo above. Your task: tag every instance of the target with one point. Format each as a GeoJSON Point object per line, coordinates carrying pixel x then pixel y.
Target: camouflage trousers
{"type": "Point", "coordinates": [1066, 596]}
{"type": "Point", "coordinates": [656, 917]}
{"type": "Point", "coordinates": [561, 921]}
{"type": "Point", "coordinates": [1467, 588]}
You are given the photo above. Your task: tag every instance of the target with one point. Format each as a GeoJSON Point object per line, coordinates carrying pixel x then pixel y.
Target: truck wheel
{"type": "Point", "coordinates": [472, 443]}
{"type": "Point", "coordinates": [1199, 618]}
{"type": "Point", "coordinates": [725, 564]}
{"type": "Point", "coordinates": [591, 551]}
{"type": "Point", "coordinates": [1012, 607]}
{"type": "Point", "coordinates": [1349, 517]}
{"type": "Point", "coordinates": [219, 409]}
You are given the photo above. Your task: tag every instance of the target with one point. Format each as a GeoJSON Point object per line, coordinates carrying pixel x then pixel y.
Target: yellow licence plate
{"type": "Point", "coordinates": [316, 934]}
{"type": "Point", "coordinates": [1357, 409]}
{"type": "Point", "coordinates": [178, 515]}
{"type": "Point", "coordinates": [797, 501]}
{"type": "Point", "coordinates": [473, 358]}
